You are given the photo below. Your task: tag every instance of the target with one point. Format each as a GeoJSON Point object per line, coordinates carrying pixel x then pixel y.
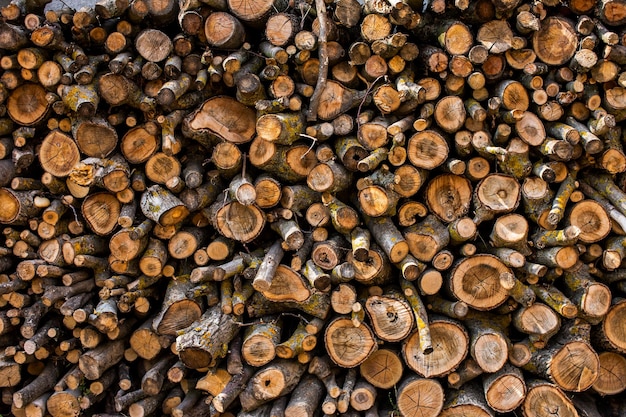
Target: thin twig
{"type": "Point", "coordinates": [367, 93]}
{"type": "Point", "coordinates": [312, 144]}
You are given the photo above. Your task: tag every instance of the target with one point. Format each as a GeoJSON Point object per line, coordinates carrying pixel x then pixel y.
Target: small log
{"type": "Point", "coordinates": [96, 361]}
{"type": "Point", "coordinates": [468, 399]}
{"type": "Point", "coordinates": [612, 367]}
{"type": "Point", "coordinates": [605, 335]}
{"type": "Point", "coordinates": [272, 381]}
{"type": "Point", "coordinates": [467, 371]}
{"type": "Point", "coordinates": [488, 344]}
{"type": "Point", "coordinates": [490, 270]}
{"type": "Point", "coordinates": [457, 205]}
{"type": "Point", "coordinates": [542, 393]}
{"type": "Point", "coordinates": [197, 351]}
{"type": "Point", "coordinates": [300, 341]}
{"type": "Point", "coordinates": [383, 369]}
{"type": "Point", "coordinates": [178, 311]}
{"type": "Point", "coordinates": [260, 340]}
{"type": "Point", "coordinates": [306, 397]}
{"type": "Point", "coordinates": [162, 207]}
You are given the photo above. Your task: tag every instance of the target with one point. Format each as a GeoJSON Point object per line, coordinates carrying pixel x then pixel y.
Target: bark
{"type": "Point", "coordinates": [197, 351]}
{"type": "Point", "coordinates": [549, 362]}
{"type": "Point", "coordinates": [275, 380]}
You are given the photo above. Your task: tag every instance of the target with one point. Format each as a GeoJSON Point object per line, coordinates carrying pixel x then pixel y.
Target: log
{"type": "Point", "coordinates": [96, 361]}
{"type": "Point", "coordinates": [178, 310]}
{"type": "Point", "coordinates": [197, 351]}
{"type": "Point", "coordinates": [547, 362]}
{"type": "Point", "coordinates": [486, 295]}
{"type": "Point", "coordinates": [340, 338]}
{"type": "Point", "coordinates": [468, 400]}
{"type": "Point", "coordinates": [391, 316]}
{"type": "Point", "coordinates": [542, 394]}
{"type": "Point", "coordinates": [270, 382]}
{"type": "Point", "coordinates": [420, 396]}
{"type": "Point", "coordinates": [439, 362]}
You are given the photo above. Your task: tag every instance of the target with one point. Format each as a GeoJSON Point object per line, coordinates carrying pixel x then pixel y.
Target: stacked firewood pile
{"type": "Point", "coordinates": [295, 208]}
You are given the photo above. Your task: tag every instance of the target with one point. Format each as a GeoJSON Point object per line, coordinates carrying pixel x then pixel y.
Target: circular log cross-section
{"type": "Point", "coordinates": [348, 346]}
{"type": "Point", "coordinates": [95, 137]}
{"type": "Point", "coordinates": [450, 113]}
{"type": "Point", "coordinates": [513, 95]}
{"type": "Point", "coordinates": [287, 285]}
{"type": "Point", "coordinates": [530, 129]}
{"type": "Point", "coordinates": [476, 281]}
{"type": "Point", "coordinates": [255, 11]}
{"type": "Point", "coordinates": [160, 168]}
{"type": "Point", "coordinates": [153, 45]}
{"type": "Point", "coordinates": [139, 143]}
{"type": "Point", "coordinates": [448, 196]}
{"type": "Point", "coordinates": [466, 401]}
{"type": "Point", "coordinates": [592, 220]}
{"type": "Point", "coordinates": [274, 380]}
{"type": "Point", "coordinates": [123, 247]}
{"type": "Point", "coordinates": [259, 345]}
{"type": "Point", "coordinates": [62, 403]}
{"type": "Point", "coordinates": [383, 369]}
{"type": "Point", "coordinates": [27, 104]}
{"type": "Point", "coordinates": [411, 180]}
{"type": "Point", "coordinates": [101, 211]}
{"type": "Point", "coordinates": [450, 343]}
{"type": "Point", "coordinates": [58, 154]}
{"type": "Point", "coordinates": [496, 36]}
{"type": "Point", "coordinates": [17, 206]}
{"type": "Point", "coordinates": [224, 30]}
{"type": "Point", "coordinates": [496, 194]}
{"type": "Point", "coordinates": [427, 149]}
{"type": "Point", "coordinates": [573, 366]}
{"type": "Point", "coordinates": [555, 42]}
{"type": "Point", "coordinates": [223, 118]}
{"type": "Point", "coordinates": [505, 390]}
{"type": "Point", "coordinates": [427, 238]}
{"type": "Point", "coordinates": [391, 316]}
{"type": "Point", "coordinates": [163, 207]}
{"type": "Point", "coordinates": [544, 399]}
{"type": "Point", "coordinates": [375, 267]}
{"type": "Point", "coordinates": [145, 342]}
{"type": "Point", "coordinates": [420, 397]}
{"type": "Point", "coordinates": [612, 376]}
{"type": "Point", "coordinates": [457, 38]}
{"type": "Point", "coordinates": [611, 335]}
{"type": "Point", "coordinates": [538, 320]}
{"type": "Point", "coordinates": [281, 28]}
{"type": "Point", "coordinates": [241, 223]}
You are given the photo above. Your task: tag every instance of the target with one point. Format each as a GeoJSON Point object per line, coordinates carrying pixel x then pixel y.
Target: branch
{"type": "Point", "coordinates": [320, 6]}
